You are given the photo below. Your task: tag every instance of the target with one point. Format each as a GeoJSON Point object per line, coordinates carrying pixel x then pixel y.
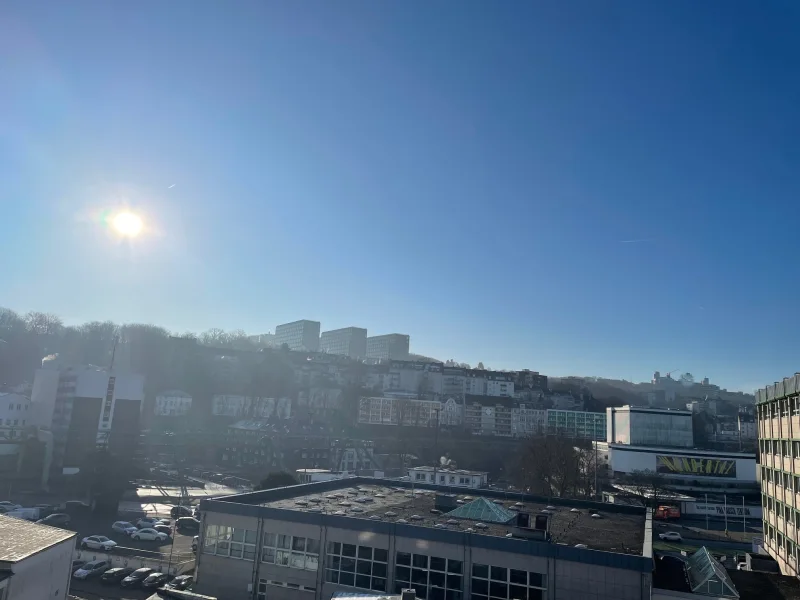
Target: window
{"type": "Point", "coordinates": [502, 583]}
{"type": "Point", "coordinates": [290, 551]}
{"type": "Point", "coordinates": [432, 577]}
{"type": "Point", "coordinates": [233, 542]}
{"type": "Point", "coordinates": [362, 567]}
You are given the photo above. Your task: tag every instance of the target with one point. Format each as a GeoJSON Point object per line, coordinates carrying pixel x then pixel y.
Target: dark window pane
{"type": "Point", "coordinates": [454, 582]}
{"type": "Point", "coordinates": [519, 577]}
{"type": "Point", "coordinates": [436, 579]}
{"type": "Point", "coordinates": [518, 592]}
{"type": "Point", "coordinates": [421, 561]}
{"type": "Point", "coordinates": [346, 578]}
{"type": "Point", "coordinates": [454, 566]}
{"type": "Point", "coordinates": [476, 597]}
{"type": "Point", "coordinates": [499, 573]}
{"type": "Point", "coordinates": [402, 574]}
{"type": "Point", "coordinates": [334, 548]}
{"type": "Point", "coordinates": [403, 558]}
{"type": "Point", "coordinates": [535, 579]}
{"type": "Point", "coordinates": [381, 555]}
{"type": "Point", "coordinates": [334, 562]}
{"type": "Point", "coordinates": [438, 564]}
{"type": "Point", "coordinates": [378, 570]}
{"type": "Point", "coordinates": [535, 594]}
{"type": "Point", "coordinates": [398, 587]}
{"type": "Point", "coordinates": [378, 584]}
{"type": "Point", "coordinates": [312, 546]}
{"type": "Point", "coordinates": [332, 576]}
{"type": "Point", "coordinates": [480, 571]}
{"type": "Point", "coordinates": [349, 565]}
{"type": "Point", "coordinates": [421, 590]}
{"type": "Point", "coordinates": [480, 586]}
{"type": "Point", "coordinates": [348, 550]}
{"type": "Point", "coordinates": [436, 594]}
{"type": "Point", "coordinates": [364, 567]}
{"type": "Point", "coordinates": [498, 590]}
{"type": "Point", "coordinates": [419, 576]}
{"type": "Point", "coordinates": [299, 544]}
{"type": "Point", "coordinates": [362, 581]}
{"type": "Point", "coordinates": [364, 552]}
{"type": "Point", "coordinates": [452, 595]}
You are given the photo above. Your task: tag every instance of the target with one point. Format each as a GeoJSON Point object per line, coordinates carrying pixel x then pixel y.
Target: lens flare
{"type": "Point", "coordinates": [127, 224]}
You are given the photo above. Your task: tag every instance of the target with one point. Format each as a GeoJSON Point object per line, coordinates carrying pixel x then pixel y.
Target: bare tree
{"type": "Point", "coordinates": [550, 465]}
{"type": "Point", "coordinates": [43, 323]}
{"type": "Point", "coordinates": [648, 486]}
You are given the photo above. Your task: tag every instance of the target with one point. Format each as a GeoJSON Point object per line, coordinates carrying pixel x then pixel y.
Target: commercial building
{"type": "Point", "coordinates": [173, 403]}
{"type": "Point", "coordinates": [35, 560]}
{"type": "Point", "coordinates": [577, 424]}
{"type": "Point", "coordinates": [349, 341]}
{"type": "Point", "coordinates": [86, 406]}
{"type": "Point", "coordinates": [639, 426]}
{"type": "Point", "coordinates": [778, 421]}
{"type": "Point", "coordinates": [393, 346]}
{"type": "Point", "coordinates": [308, 542]}
{"type": "Point", "coordinates": [445, 476]}
{"type": "Point", "coordinates": [299, 335]}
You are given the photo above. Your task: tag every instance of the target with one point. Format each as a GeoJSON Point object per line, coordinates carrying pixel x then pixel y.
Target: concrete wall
{"type": "Point", "coordinates": [627, 460]}
{"type": "Point", "coordinates": [43, 575]}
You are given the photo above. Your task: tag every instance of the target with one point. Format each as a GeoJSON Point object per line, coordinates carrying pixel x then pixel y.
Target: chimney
{"type": "Point", "coordinates": [408, 594]}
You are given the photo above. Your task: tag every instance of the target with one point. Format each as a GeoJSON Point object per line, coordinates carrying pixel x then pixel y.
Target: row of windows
{"type": "Point", "coordinates": [780, 447]}
{"type": "Point", "coordinates": [19, 406]}
{"type": "Point", "coordinates": [780, 408]}
{"type": "Point", "coordinates": [290, 551]}
{"type": "Point", "coordinates": [15, 422]}
{"type": "Point", "coordinates": [232, 542]}
{"type": "Point", "coordinates": [432, 577]}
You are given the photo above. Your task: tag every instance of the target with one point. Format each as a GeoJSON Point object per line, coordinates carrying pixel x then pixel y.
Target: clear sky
{"type": "Point", "coordinates": [583, 187]}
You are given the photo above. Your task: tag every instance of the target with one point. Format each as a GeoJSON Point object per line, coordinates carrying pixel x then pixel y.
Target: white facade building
{"type": "Point", "coordinates": [15, 411]}
{"type": "Point", "coordinates": [173, 403]}
{"type": "Point", "coordinates": [393, 346]}
{"type": "Point", "coordinates": [349, 341]}
{"type": "Point", "coordinates": [448, 477]}
{"type": "Point", "coordinates": [639, 426]}
{"type": "Point", "coordinates": [452, 413]}
{"type": "Point", "coordinates": [398, 411]}
{"type": "Point", "coordinates": [526, 420]}
{"type": "Point", "coordinates": [299, 335]}
{"type": "Point", "coordinates": [37, 559]}
{"type": "Point", "coordinates": [250, 407]}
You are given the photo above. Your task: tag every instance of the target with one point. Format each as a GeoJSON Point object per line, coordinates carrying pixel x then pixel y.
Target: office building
{"type": "Point", "coordinates": [35, 560]}
{"type": "Point", "coordinates": [577, 424]}
{"type": "Point", "coordinates": [86, 407]}
{"type": "Point", "coordinates": [349, 341]}
{"type": "Point", "coordinates": [778, 421]}
{"type": "Point", "coordinates": [300, 335]}
{"type": "Point", "coordinates": [639, 426]}
{"type": "Point", "coordinates": [360, 535]}
{"type": "Point", "coordinates": [393, 346]}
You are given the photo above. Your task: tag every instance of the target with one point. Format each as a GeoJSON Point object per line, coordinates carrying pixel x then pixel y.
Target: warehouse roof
{"type": "Point", "coordinates": [20, 539]}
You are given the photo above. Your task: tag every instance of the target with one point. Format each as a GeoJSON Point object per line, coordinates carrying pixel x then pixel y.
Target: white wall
{"type": "Point", "coordinates": [626, 460]}
{"type": "Point", "coordinates": [43, 575]}
{"type": "Point", "coordinates": [43, 396]}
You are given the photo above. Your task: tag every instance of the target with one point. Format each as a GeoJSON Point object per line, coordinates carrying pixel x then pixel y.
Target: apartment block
{"type": "Point", "coordinates": [349, 341]}
{"type": "Point", "coordinates": [393, 346]}
{"type": "Point", "coordinates": [300, 335]}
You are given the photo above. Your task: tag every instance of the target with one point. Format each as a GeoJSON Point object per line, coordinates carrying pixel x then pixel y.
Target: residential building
{"type": "Point", "coordinates": [778, 421]}
{"type": "Point", "coordinates": [747, 427]}
{"type": "Point", "coordinates": [311, 541]}
{"type": "Point", "coordinates": [252, 407]}
{"type": "Point", "coordinates": [488, 383]}
{"type": "Point", "coordinates": [35, 560]}
{"type": "Point", "coordinates": [407, 411]}
{"type": "Point", "coordinates": [452, 412]}
{"type": "Point", "coordinates": [532, 380]}
{"type": "Point", "coordinates": [264, 340]}
{"type": "Point", "coordinates": [422, 378]}
{"type": "Point", "coordinates": [640, 426]}
{"type": "Point", "coordinates": [393, 346]}
{"type": "Point", "coordinates": [172, 403]}
{"type": "Point", "coordinates": [577, 424]}
{"type": "Point", "coordinates": [488, 415]}
{"type": "Point", "coordinates": [86, 406]}
{"type": "Point", "coordinates": [527, 420]}
{"type": "Point", "coordinates": [15, 413]}
{"type": "Point", "coordinates": [299, 335]}
{"type": "Point", "coordinates": [349, 341]}
{"type": "Point", "coordinates": [453, 381]}
{"type": "Point", "coordinates": [444, 476]}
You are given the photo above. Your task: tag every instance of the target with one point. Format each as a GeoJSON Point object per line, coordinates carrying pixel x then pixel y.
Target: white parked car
{"type": "Point", "coordinates": [90, 569]}
{"type": "Point", "coordinates": [670, 536]}
{"type": "Point", "coordinates": [124, 527]}
{"type": "Point", "coordinates": [98, 542]}
{"type": "Point", "coordinates": [149, 534]}
{"type": "Point", "coordinates": [145, 522]}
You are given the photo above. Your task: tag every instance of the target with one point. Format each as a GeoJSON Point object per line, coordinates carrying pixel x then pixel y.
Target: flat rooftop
{"type": "Point", "coordinates": [619, 531]}
{"type": "Point", "coordinates": [20, 539]}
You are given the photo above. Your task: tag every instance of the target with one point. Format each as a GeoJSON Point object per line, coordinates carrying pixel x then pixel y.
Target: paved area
{"type": "Point", "coordinates": [94, 590]}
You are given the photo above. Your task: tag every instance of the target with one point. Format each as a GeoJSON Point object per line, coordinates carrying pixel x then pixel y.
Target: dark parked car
{"type": "Point", "coordinates": [187, 524]}
{"type": "Point", "coordinates": [155, 580]}
{"type": "Point", "coordinates": [180, 511]}
{"type": "Point", "coordinates": [136, 578]}
{"type": "Point", "coordinates": [115, 575]}
{"type": "Point", "coordinates": [55, 520]}
{"type": "Point", "coordinates": [181, 582]}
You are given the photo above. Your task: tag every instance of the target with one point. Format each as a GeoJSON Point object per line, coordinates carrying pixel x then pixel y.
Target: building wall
{"type": "Point", "coordinates": [649, 427]}
{"type": "Point", "coordinates": [42, 575]}
{"type": "Point", "coordinates": [627, 459]}
{"type": "Point", "coordinates": [350, 341]}
{"type": "Point", "coordinates": [393, 346]}
{"type": "Point", "coordinates": [172, 404]}
{"type": "Point", "coordinates": [299, 335]}
{"type": "Point", "coordinates": [577, 424]}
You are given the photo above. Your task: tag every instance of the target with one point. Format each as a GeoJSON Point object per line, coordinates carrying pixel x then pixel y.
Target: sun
{"type": "Point", "coordinates": [127, 224]}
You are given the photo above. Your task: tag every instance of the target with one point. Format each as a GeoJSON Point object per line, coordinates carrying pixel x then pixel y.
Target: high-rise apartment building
{"type": "Point", "coordinates": [393, 346]}
{"type": "Point", "coordinates": [349, 341]}
{"type": "Point", "coordinates": [778, 420]}
{"type": "Point", "coordinates": [298, 335]}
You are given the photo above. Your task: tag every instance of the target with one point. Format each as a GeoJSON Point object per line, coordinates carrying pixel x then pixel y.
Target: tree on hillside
{"type": "Point", "coordinates": [550, 465]}
{"type": "Point", "coordinates": [276, 480]}
{"type": "Point", "coordinates": [480, 367]}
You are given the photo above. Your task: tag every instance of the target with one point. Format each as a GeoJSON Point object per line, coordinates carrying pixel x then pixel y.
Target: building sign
{"type": "Point", "coordinates": [720, 510]}
{"type": "Point", "coordinates": [687, 465]}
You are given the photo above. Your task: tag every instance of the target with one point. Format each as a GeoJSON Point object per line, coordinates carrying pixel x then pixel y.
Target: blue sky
{"type": "Point", "coordinates": [469, 173]}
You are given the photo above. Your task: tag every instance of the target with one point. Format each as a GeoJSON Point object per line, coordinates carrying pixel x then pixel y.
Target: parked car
{"type": "Point", "coordinates": [181, 582]}
{"type": "Point", "coordinates": [92, 569]}
{"type": "Point", "coordinates": [136, 578]}
{"type": "Point", "coordinates": [45, 510]}
{"type": "Point", "coordinates": [670, 536]}
{"type": "Point", "coordinates": [149, 534]}
{"type": "Point", "coordinates": [146, 522]}
{"type": "Point", "coordinates": [180, 511]}
{"type": "Point", "coordinates": [77, 564]}
{"type": "Point", "coordinates": [187, 524]}
{"type": "Point", "coordinates": [124, 527]}
{"type": "Point", "coordinates": [98, 542]}
{"type": "Point", "coordinates": [166, 522]}
{"type": "Point", "coordinates": [195, 541]}
{"type": "Point", "coordinates": [155, 580]}
{"type": "Point", "coordinates": [115, 575]}
{"type": "Point", "coordinates": [29, 514]}
{"type": "Point", "coordinates": [6, 505]}
{"type": "Point", "coordinates": [55, 520]}
{"type": "Point", "coordinates": [163, 529]}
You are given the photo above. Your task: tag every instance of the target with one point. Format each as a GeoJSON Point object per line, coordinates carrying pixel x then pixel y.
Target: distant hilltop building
{"type": "Point", "coordinates": [393, 346]}
{"type": "Point", "coordinates": [348, 341]}
{"type": "Point", "coordinates": [299, 335]}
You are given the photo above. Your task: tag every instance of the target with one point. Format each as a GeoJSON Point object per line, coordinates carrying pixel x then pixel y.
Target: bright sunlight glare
{"type": "Point", "coordinates": [127, 224]}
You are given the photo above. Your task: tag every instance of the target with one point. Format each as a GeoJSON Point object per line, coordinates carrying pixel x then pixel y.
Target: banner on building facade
{"type": "Point", "coordinates": [688, 465]}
